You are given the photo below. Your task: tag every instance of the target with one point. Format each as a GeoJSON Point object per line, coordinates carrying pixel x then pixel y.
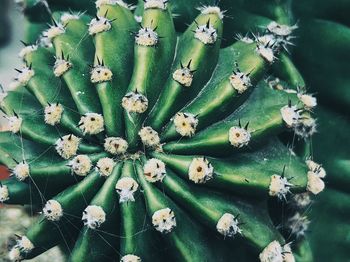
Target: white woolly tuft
{"type": "Point", "coordinates": [240, 82]}
{"type": "Point", "coordinates": [302, 200]}
{"type": "Point", "coordinates": [53, 114]}
{"type": "Point", "coordinates": [14, 123]}
{"type": "Point", "coordinates": [266, 52]}
{"type": "Point", "coordinates": [183, 76]}
{"type": "Point", "coordinates": [206, 34]}
{"type": "Point", "coordinates": [4, 193]}
{"type": "Point", "coordinates": [206, 10]}
{"type": "Point", "coordinates": [53, 210]}
{"type": "Point", "coordinates": [66, 17]}
{"type": "Point", "coordinates": [27, 50]}
{"type": "Point", "coordinates": [24, 76]}
{"type": "Point", "coordinates": [155, 4]}
{"type": "Point", "coordinates": [146, 37]}
{"type": "Point", "coordinates": [67, 146]}
{"type": "Point", "coordinates": [23, 246]}
{"type": "Point", "coordinates": [93, 216]}
{"type": "Point", "coordinates": [315, 184]}
{"type": "Point", "coordinates": [126, 187]}
{"type": "Point", "coordinates": [154, 170]}
{"type": "Point", "coordinates": [239, 136]}
{"type": "Point", "coordinates": [274, 252]}
{"type": "Point", "coordinates": [309, 101]}
{"type": "Point", "coordinates": [316, 168]}
{"type": "Point", "coordinates": [80, 165]}
{"type": "Point", "coordinates": [98, 25]}
{"type": "Point", "coordinates": [135, 103]}
{"type": "Point", "coordinates": [185, 124]}
{"type": "Point", "coordinates": [61, 66]}
{"type": "Point", "coordinates": [115, 145]}
{"type": "Point", "coordinates": [91, 123]}
{"type": "Point", "coordinates": [164, 220]}
{"type": "Point", "coordinates": [298, 224]}
{"type": "Point", "coordinates": [130, 258]}
{"type": "Point", "coordinates": [105, 166]}
{"type": "Point", "coordinates": [54, 31]}
{"type": "Point", "coordinates": [305, 127]}
{"type": "Point", "coordinates": [101, 74]}
{"type": "Point", "coordinates": [279, 186]}
{"type": "Point", "coordinates": [149, 137]}
{"type": "Point", "coordinates": [228, 225]}
{"type": "Point", "coordinates": [21, 171]}
{"type": "Point", "coordinates": [200, 170]}
{"type": "Point", "coordinates": [280, 30]}
{"type": "Point", "coordinates": [290, 115]}
{"type": "Point", "coordinates": [138, 18]}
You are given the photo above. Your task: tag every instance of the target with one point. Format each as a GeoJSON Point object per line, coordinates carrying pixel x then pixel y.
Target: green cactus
{"type": "Point", "coordinates": [142, 138]}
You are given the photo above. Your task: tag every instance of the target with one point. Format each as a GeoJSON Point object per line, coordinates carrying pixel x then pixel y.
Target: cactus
{"type": "Point", "coordinates": [141, 138]}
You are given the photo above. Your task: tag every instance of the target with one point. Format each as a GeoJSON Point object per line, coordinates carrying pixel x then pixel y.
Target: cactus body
{"type": "Point", "coordinates": [145, 140]}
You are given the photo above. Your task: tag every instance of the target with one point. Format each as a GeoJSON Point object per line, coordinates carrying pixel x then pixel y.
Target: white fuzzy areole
{"type": "Point", "coordinates": [53, 210]}
{"type": "Point", "coordinates": [185, 124]}
{"type": "Point", "coordinates": [67, 17]}
{"type": "Point", "coordinates": [305, 127]}
{"type": "Point", "coordinates": [4, 193]}
{"type": "Point", "coordinates": [309, 101]}
{"type": "Point", "coordinates": [302, 200]}
{"type": "Point", "coordinates": [115, 145]}
{"type": "Point", "coordinates": [154, 170]}
{"type": "Point", "coordinates": [15, 254]}
{"type": "Point", "coordinates": [126, 187]}
{"type": "Point", "coordinates": [98, 25]}
{"type": "Point", "coordinates": [240, 82]}
{"type": "Point", "coordinates": [183, 76]}
{"type": "Point", "coordinates": [93, 216]}
{"type": "Point", "coordinates": [149, 137]}
{"type": "Point", "coordinates": [146, 37]}
{"type": "Point", "coordinates": [53, 114]}
{"type": "Point", "coordinates": [67, 146]}
{"type": "Point", "coordinates": [130, 258]}
{"type": "Point", "coordinates": [27, 50]}
{"type": "Point", "coordinates": [21, 171]}
{"type": "Point", "coordinates": [164, 220]}
{"type": "Point", "coordinates": [315, 184]}
{"type": "Point", "coordinates": [228, 225]}
{"type": "Point", "coordinates": [100, 3]}
{"type": "Point", "coordinates": [61, 66]}
{"type": "Point", "coordinates": [266, 40]}
{"type": "Point", "coordinates": [14, 123]}
{"type": "Point", "coordinates": [105, 166]}
{"type": "Point", "coordinates": [44, 41]}
{"type": "Point", "coordinates": [280, 30]}
{"type": "Point", "coordinates": [298, 224]}
{"type": "Point", "coordinates": [135, 103]}
{"type": "Point", "coordinates": [287, 253]}
{"type": "Point", "coordinates": [239, 136]}
{"type": "Point", "coordinates": [100, 74]}
{"type": "Point", "coordinates": [200, 170]}
{"type": "Point", "coordinates": [91, 123]}
{"type": "Point", "coordinates": [214, 10]}
{"type": "Point", "coordinates": [53, 32]}
{"type": "Point", "coordinates": [155, 4]}
{"type": "Point", "coordinates": [80, 165]}
{"type": "Point", "coordinates": [24, 75]}
{"type": "Point", "coordinates": [316, 168]}
{"type": "Point", "coordinates": [25, 245]}
{"type": "Point", "coordinates": [266, 52]}
{"type": "Point", "coordinates": [290, 115]}
{"type": "Point", "coordinates": [272, 253]}
{"type": "Point", "coordinates": [206, 34]}
{"type": "Point", "coordinates": [279, 186]}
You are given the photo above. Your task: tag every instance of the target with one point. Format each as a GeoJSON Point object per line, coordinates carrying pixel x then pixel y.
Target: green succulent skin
{"type": "Point", "coordinates": [181, 213]}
